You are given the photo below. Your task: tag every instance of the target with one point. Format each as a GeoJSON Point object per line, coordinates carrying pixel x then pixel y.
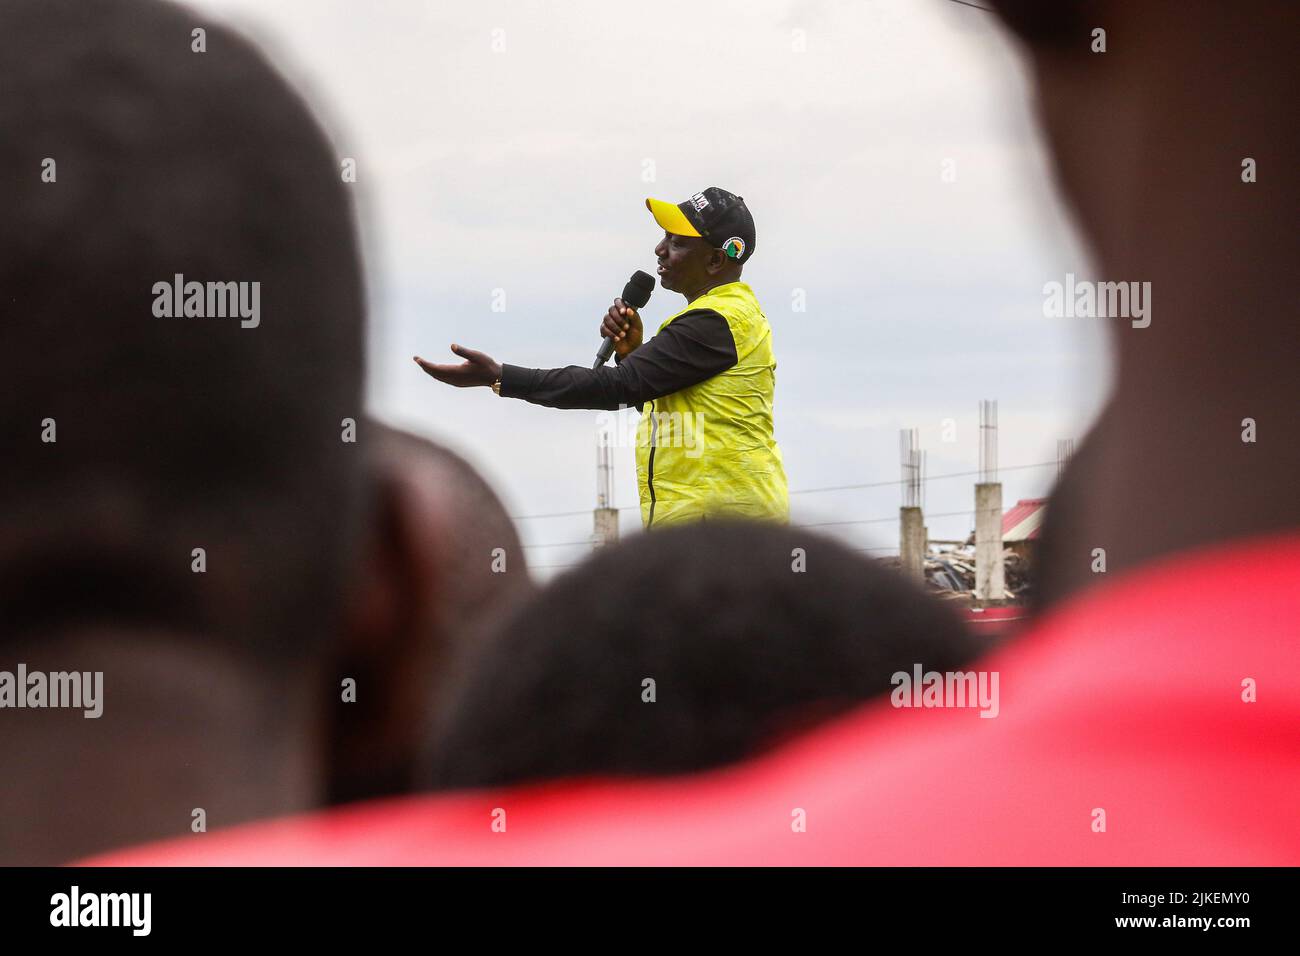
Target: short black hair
{"type": "Point", "coordinates": [172, 433]}
{"type": "Point", "coordinates": [742, 646]}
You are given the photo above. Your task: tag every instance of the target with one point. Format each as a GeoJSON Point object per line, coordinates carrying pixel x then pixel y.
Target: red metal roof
{"type": "Point", "coordinates": [1025, 520]}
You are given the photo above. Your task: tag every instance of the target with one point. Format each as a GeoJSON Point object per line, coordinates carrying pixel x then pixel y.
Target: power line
{"type": "Point", "coordinates": [811, 491]}
{"type": "Point", "coordinates": [555, 514]}
{"type": "Point", "coordinates": [899, 481]}
{"type": "Point", "coordinates": [569, 514]}
{"type": "Point", "coordinates": [827, 524]}
{"type": "Point", "coordinates": [816, 524]}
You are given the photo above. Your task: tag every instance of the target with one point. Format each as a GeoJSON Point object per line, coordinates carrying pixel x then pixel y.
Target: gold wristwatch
{"type": "Point", "coordinates": [496, 386]}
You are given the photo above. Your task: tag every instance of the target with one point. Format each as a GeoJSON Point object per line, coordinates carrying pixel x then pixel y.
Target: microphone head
{"type": "Point", "coordinates": [637, 291]}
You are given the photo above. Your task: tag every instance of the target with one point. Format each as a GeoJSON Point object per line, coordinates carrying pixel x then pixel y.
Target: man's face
{"type": "Point", "coordinates": [683, 262]}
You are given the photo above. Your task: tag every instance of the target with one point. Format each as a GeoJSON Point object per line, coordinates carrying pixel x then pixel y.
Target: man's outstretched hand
{"type": "Point", "coordinates": [477, 369]}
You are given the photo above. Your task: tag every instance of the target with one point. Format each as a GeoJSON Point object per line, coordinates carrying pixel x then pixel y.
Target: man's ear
{"type": "Point", "coordinates": [717, 261]}
{"type": "Point", "coordinates": [390, 639]}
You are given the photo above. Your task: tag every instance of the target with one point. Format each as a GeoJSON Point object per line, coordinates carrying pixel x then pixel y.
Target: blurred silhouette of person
{"type": "Point", "coordinates": [1154, 163]}
{"type": "Point", "coordinates": [730, 636]}
{"type": "Point", "coordinates": [184, 511]}
{"type": "Point", "coordinates": [444, 536]}
{"type": "Point", "coordinates": [1151, 714]}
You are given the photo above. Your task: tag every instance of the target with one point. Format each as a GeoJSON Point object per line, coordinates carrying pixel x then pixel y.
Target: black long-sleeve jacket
{"type": "Point", "coordinates": [695, 346]}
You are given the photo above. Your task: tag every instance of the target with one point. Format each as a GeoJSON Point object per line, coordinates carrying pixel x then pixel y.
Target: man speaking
{"type": "Point", "coordinates": [704, 384]}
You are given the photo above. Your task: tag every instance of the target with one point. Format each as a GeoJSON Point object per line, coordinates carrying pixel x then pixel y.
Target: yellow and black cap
{"type": "Point", "coordinates": [718, 217]}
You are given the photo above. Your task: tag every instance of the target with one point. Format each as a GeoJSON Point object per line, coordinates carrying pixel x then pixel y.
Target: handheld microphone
{"type": "Point", "coordinates": [635, 294]}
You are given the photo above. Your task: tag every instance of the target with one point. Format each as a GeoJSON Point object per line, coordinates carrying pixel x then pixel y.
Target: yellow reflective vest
{"type": "Point", "coordinates": [709, 449]}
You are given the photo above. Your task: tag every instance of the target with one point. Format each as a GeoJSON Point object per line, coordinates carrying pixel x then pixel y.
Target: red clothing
{"type": "Point", "coordinates": [1128, 699]}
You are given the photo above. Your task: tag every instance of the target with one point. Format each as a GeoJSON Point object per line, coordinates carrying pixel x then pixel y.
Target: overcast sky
{"type": "Point", "coordinates": [510, 146]}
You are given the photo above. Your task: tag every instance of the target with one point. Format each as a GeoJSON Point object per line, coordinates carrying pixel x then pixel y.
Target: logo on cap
{"type": "Point", "coordinates": [698, 201]}
{"type": "Point", "coordinates": [734, 247]}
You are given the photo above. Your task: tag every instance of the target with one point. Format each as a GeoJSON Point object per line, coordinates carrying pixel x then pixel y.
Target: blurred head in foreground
{"type": "Point", "coordinates": [432, 589]}
{"type": "Point", "coordinates": [682, 650]}
{"type": "Point", "coordinates": [180, 510]}
{"type": "Point", "coordinates": [195, 519]}
{"type": "Point", "coordinates": [1173, 145]}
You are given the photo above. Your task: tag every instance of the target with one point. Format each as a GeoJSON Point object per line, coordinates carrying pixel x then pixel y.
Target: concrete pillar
{"type": "Point", "coordinates": [606, 526]}
{"type": "Point", "coordinates": [989, 582]}
{"type": "Point", "coordinates": [911, 542]}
